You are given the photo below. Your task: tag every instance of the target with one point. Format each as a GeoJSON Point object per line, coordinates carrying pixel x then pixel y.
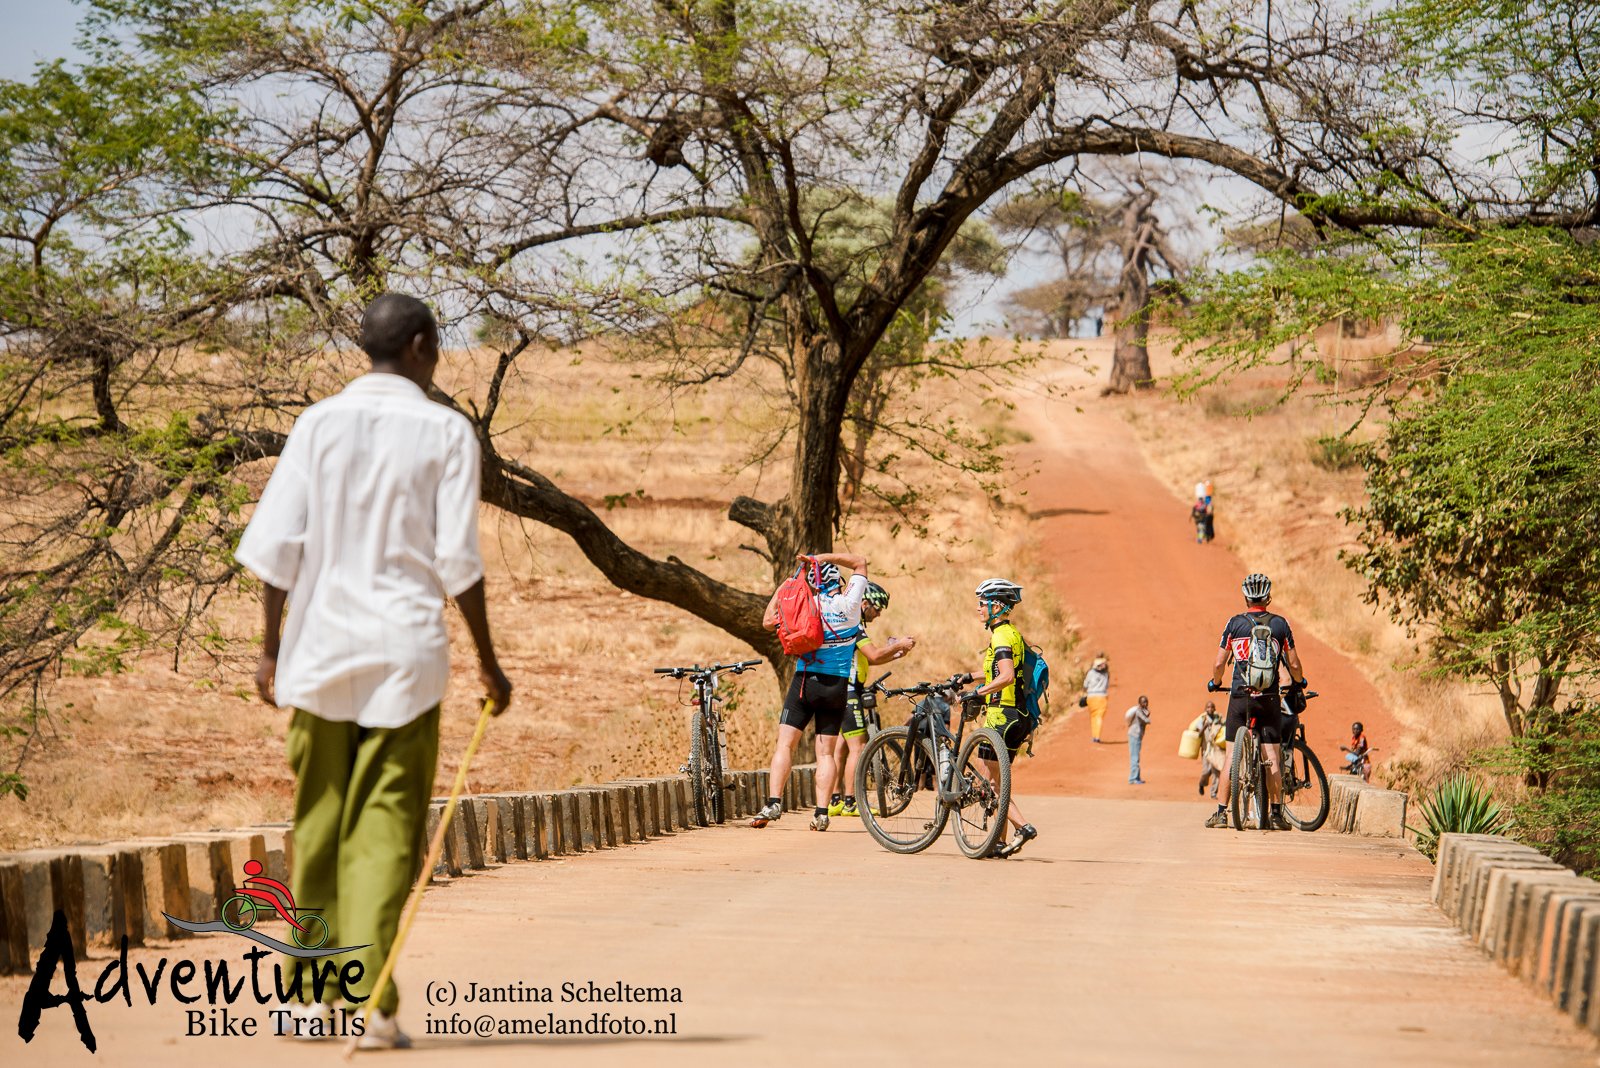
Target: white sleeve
{"type": "Point", "coordinates": [274, 542]}
{"type": "Point", "coordinates": [854, 591]}
{"type": "Point", "coordinates": [456, 557]}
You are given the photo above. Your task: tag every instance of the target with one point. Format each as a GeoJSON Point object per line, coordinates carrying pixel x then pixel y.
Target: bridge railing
{"type": "Point", "coordinates": [1539, 920]}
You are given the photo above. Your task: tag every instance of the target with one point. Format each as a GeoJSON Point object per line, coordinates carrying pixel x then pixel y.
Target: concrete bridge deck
{"type": "Point", "coordinates": [1126, 935]}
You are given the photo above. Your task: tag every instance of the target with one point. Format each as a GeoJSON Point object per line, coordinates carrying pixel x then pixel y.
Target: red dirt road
{"type": "Point", "coordinates": [1126, 563]}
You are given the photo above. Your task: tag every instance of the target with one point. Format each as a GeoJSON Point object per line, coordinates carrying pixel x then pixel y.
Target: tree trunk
{"type": "Point", "coordinates": [1130, 361]}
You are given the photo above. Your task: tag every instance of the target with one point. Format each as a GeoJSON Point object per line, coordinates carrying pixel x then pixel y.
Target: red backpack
{"type": "Point", "coordinates": [799, 615]}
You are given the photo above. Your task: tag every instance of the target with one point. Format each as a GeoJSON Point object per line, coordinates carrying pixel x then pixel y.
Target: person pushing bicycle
{"type": "Point", "coordinates": [1262, 705]}
{"type": "Point", "coordinates": [854, 731]}
{"type": "Point", "coordinates": [1001, 662]}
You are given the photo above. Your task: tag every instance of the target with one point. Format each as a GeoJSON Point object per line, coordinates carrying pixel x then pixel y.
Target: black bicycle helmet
{"type": "Point", "coordinates": [876, 596]}
{"type": "Point", "coordinates": [1257, 588]}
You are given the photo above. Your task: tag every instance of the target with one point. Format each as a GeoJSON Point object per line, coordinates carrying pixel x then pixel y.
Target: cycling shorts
{"type": "Point", "coordinates": [1014, 728]}
{"type": "Point", "coordinates": [1271, 724]}
{"type": "Point", "coordinates": [855, 720]}
{"type": "Point", "coordinates": [815, 697]}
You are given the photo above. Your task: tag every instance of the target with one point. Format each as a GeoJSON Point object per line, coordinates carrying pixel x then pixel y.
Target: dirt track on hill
{"type": "Point", "coordinates": [1125, 562]}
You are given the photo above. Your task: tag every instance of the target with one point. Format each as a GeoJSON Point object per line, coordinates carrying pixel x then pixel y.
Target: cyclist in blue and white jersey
{"type": "Point", "coordinates": [820, 688]}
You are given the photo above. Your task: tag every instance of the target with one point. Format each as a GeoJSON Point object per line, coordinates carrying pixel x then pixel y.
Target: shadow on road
{"type": "Point", "coordinates": [1051, 513]}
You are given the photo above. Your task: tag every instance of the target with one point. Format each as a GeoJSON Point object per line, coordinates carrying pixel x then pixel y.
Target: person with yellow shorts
{"type": "Point", "coordinates": [1096, 693]}
{"type": "Point", "coordinates": [854, 730]}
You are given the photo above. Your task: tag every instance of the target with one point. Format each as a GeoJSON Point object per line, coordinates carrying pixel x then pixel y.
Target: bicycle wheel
{"type": "Point", "coordinates": [239, 913]}
{"type": "Point", "coordinates": [715, 791]}
{"type": "Point", "coordinates": [699, 770]}
{"type": "Point", "coordinates": [315, 933]}
{"type": "Point", "coordinates": [877, 792]}
{"type": "Point", "coordinates": [1246, 790]}
{"type": "Point", "coordinates": [1305, 788]}
{"type": "Point", "coordinates": [912, 815]}
{"type": "Point", "coordinates": [980, 814]}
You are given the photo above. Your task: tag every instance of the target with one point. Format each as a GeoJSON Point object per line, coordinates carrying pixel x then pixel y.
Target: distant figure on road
{"type": "Point", "coordinates": [1204, 512]}
{"type": "Point", "coordinates": [1096, 692]}
{"type": "Point", "coordinates": [1356, 759]}
{"type": "Point", "coordinates": [1138, 718]}
{"type": "Point", "coordinates": [1213, 764]}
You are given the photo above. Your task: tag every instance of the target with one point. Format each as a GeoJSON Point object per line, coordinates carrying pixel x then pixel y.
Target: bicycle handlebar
{"type": "Point", "coordinates": [950, 685]}
{"type": "Point", "coordinates": [696, 671]}
{"type": "Point", "coordinates": [1212, 687]}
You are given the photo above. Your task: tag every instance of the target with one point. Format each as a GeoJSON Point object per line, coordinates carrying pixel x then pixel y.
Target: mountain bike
{"type": "Point", "coordinates": [878, 795]}
{"type": "Point", "coordinates": [708, 739]}
{"type": "Point", "coordinates": [1305, 785]}
{"type": "Point", "coordinates": [921, 774]}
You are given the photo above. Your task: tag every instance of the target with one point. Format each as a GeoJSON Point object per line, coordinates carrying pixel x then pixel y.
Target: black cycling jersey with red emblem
{"type": "Point", "coordinates": [1236, 637]}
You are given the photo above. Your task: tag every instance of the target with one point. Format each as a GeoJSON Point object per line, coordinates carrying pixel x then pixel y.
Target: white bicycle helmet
{"type": "Point", "coordinates": [1257, 588]}
{"type": "Point", "coordinates": [829, 577]}
{"type": "Point", "coordinates": [998, 597]}
{"type": "Point", "coordinates": [999, 590]}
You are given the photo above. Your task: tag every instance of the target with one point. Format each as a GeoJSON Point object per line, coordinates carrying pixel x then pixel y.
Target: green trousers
{"type": "Point", "coordinates": [360, 814]}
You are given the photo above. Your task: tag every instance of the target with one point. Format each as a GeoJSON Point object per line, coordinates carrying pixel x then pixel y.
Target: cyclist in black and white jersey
{"type": "Point", "coordinates": [1245, 704]}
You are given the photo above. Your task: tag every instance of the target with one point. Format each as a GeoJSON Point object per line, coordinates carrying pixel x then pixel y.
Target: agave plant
{"type": "Point", "coordinates": [1459, 805]}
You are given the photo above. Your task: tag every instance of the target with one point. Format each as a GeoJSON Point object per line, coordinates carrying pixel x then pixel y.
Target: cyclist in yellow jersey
{"type": "Point", "coordinates": [854, 731]}
{"type": "Point", "coordinates": [1001, 662]}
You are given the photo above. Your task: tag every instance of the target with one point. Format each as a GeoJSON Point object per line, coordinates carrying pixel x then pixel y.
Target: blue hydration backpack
{"type": "Point", "coordinates": [1033, 694]}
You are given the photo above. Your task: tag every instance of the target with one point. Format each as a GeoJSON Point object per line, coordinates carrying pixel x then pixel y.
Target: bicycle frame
{"type": "Point", "coordinates": [935, 733]}
{"type": "Point", "coordinates": [707, 765]}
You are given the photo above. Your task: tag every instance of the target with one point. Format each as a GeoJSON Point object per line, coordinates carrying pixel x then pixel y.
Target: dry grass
{"type": "Point", "coordinates": [1281, 504]}
{"type": "Point", "coordinates": [155, 750]}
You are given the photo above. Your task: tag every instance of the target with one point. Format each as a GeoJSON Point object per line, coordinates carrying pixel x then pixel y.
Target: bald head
{"type": "Point", "coordinates": [394, 323]}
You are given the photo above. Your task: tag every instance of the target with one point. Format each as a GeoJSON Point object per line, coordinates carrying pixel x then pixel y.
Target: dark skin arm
{"type": "Point", "coordinates": [272, 601]}
{"type": "Point", "coordinates": [496, 687]}
{"type": "Point", "coordinates": [474, 610]}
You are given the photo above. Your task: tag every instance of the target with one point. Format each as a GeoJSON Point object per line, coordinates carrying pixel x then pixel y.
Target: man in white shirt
{"type": "Point", "coordinates": [368, 523]}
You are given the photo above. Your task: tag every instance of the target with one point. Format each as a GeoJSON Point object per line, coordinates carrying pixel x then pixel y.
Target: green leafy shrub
{"type": "Point", "coordinates": [1335, 452]}
{"type": "Point", "coordinates": [1459, 805]}
{"type": "Point", "coordinates": [1559, 813]}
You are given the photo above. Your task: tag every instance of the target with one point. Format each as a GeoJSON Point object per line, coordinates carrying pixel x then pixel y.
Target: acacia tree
{"type": "Point", "coordinates": [569, 169]}
{"type": "Point", "coordinates": [1115, 253]}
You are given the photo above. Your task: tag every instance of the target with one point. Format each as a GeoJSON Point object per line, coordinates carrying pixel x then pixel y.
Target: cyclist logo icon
{"type": "Point", "coordinates": [261, 894]}
{"type": "Point", "coordinates": [263, 898]}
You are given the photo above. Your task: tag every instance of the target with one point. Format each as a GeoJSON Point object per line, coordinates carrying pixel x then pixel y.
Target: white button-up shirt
{"type": "Point", "coordinates": [369, 521]}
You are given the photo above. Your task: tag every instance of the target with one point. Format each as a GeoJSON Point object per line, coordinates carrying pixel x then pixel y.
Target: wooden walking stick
{"type": "Point", "coordinates": [435, 850]}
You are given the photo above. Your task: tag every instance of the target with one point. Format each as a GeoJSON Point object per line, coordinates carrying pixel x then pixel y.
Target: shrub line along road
{"type": "Point", "coordinates": [1126, 935]}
